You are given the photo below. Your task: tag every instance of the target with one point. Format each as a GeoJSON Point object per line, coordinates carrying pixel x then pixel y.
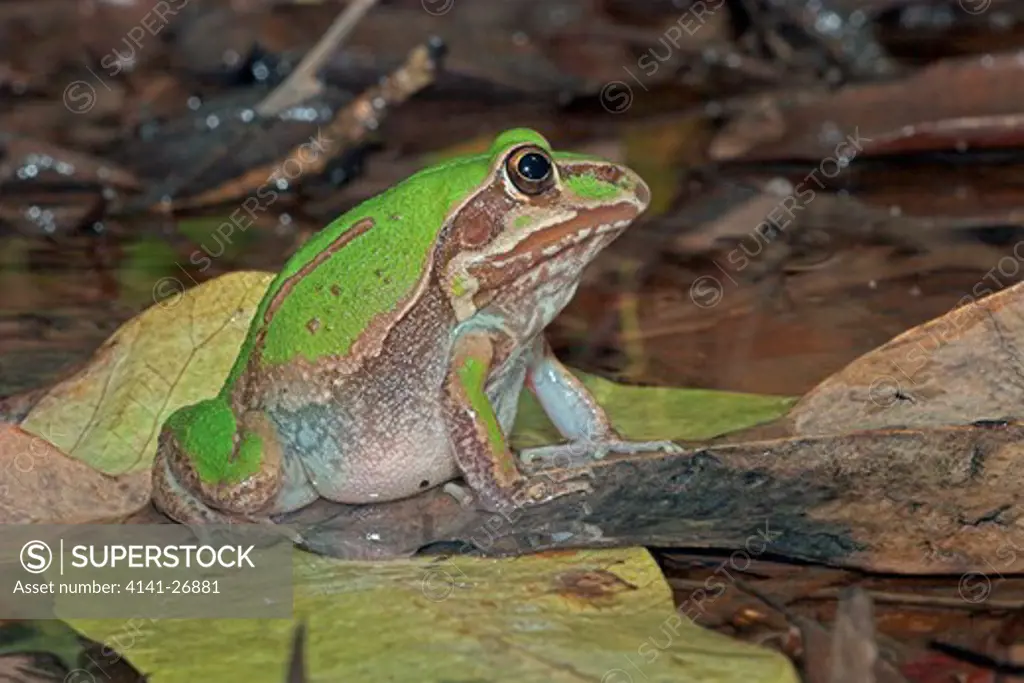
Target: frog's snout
{"type": "Point", "coordinates": [632, 188]}
{"type": "Point", "coordinates": [640, 189]}
{"type": "Point", "coordinates": [607, 183]}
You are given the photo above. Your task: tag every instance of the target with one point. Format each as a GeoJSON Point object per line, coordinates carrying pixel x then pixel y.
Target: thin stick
{"type": "Point", "coordinates": [303, 83]}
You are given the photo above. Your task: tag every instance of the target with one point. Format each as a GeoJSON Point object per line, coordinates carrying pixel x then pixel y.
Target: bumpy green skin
{"type": "Point", "coordinates": [206, 431]}
{"type": "Point", "coordinates": [347, 291]}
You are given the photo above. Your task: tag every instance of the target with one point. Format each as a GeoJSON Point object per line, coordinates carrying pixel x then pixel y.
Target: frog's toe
{"type": "Point", "coordinates": [631, 447]}
{"type": "Point", "coordinates": [579, 453]}
{"type": "Point", "coordinates": [462, 495]}
{"type": "Point", "coordinates": [571, 454]}
{"type": "Point", "coordinates": [543, 489]}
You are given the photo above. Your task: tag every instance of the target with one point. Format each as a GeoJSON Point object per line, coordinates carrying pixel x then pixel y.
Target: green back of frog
{"type": "Point", "coordinates": [374, 272]}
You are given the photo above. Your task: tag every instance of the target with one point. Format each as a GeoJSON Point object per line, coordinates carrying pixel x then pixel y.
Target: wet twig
{"type": "Point", "coordinates": [303, 83]}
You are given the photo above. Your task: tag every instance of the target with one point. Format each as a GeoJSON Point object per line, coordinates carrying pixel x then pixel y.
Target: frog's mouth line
{"type": "Point", "coordinates": [549, 243]}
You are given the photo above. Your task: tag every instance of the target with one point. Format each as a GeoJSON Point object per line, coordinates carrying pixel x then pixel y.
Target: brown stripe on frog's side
{"type": "Point", "coordinates": [299, 381]}
{"type": "Point", "coordinates": [289, 283]}
{"type": "Point", "coordinates": [242, 394]}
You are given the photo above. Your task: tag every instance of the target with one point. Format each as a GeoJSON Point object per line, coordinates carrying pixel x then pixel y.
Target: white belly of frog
{"type": "Point", "coordinates": [348, 458]}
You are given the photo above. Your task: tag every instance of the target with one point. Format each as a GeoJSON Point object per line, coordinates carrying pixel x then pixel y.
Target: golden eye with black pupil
{"type": "Point", "coordinates": [531, 170]}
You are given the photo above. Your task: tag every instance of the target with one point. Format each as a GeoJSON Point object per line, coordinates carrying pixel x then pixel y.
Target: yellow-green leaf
{"type": "Point", "coordinates": [560, 617]}
{"type": "Point", "coordinates": [175, 353]}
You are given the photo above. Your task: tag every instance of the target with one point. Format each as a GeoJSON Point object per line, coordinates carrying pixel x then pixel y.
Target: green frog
{"type": "Point", "coordinates": [389, 354]}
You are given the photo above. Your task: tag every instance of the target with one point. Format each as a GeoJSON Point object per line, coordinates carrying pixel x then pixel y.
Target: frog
{"type": "Point", "coordinates": [389, 354]}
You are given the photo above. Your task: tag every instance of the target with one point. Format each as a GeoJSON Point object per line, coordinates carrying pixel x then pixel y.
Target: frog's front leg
{"type": "Point", "coordinates": [577, 415]}
{"type": "Point", "coordinates": [481, 450]}
{"type": "Point", "coordinates": [210, 469]}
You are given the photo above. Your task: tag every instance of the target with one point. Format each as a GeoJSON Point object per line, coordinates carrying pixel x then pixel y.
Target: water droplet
{"type": "Point", "coordinates": [829, 133]}
{"type": "Point", "coordinates": [212, 121]}
{"type": "Point", "coordinates": [194, 103]}
{"type": "Point", "coordinates": [230, 58]}
{"type": "Point", "coordinates": [779, 187]}
{"type": "Point", "coordinates": [988, 61]}
{"type": "Point", "coordinates": [829, 23]}
{"type": "Point", "coordinates": [247, 115]}
{"type": "Point", "coordinates": [260, 71]}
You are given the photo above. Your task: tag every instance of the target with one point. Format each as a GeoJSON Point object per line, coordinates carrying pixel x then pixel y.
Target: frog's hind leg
{"type": "Point", "coordinates": [179, 503]}
{"type": "Point", "coordinates": [577, 415]}
{"type": "Point", "coordinates": [181, 494]}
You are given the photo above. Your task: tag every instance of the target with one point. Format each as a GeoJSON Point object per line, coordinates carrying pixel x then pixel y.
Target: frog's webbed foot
{"type": "Point", "coordinates": [534, 490]}
{"type": "Point", "coordinates": [545, 487]}
{"type": "Point", "coordinates": [578, 417]}
{"type": "Point", "coordinates": [582, 452]}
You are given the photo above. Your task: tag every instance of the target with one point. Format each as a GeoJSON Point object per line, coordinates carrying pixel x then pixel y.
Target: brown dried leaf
{"type": "Point", "coordinates": [910, 114]}
{"type": "Point", "coordinates": [41, 485]}
{"type": "Point", "coordinates": [957, 369]}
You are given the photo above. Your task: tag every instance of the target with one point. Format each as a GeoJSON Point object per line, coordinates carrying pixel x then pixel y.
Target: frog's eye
{"type": "Point", "coordinates": [531, 170]}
